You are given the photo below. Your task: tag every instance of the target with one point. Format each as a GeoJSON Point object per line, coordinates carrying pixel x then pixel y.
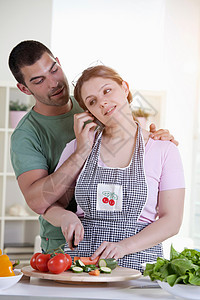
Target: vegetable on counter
{"type": "Point", "coordinates": [42, 261]}
{"type": "Point", "coordinates": [69, 261]}
{"type": "Point", "coordinates": [89, 268]}
{"type": "Point", "coordinates": [80, 267]}
{"type": "Point", "coordinates": [15, 263]}
{"type": "Point", "coordinates": [55, 262]}
{"type": "Point", "coordinates": [105, 270]}
{"type": "Point", "coordinates": [95, 272]}
{"type": "Point", "coordinates": [108, 262]}
{"type": "Point", "coordinates": [33, 260]}
{"type": "Point", "coordinates": [79, 263]}
{"type": "Point", "coordinates": [6, 266]}
{"type": "Point", "coordinates": [58, 263]}
{"type": "Point", "coordinates": [87, 260]}
{"type": "Point", "coordinates": [105, 266]}
{"type": "Point", "coordinates": [76, 269]}
{"type": "Point", "coordinates": [183, 267]}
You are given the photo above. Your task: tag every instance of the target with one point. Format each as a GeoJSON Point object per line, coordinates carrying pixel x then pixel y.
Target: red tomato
{"type": "Point", "coordinates": [69, 261]}
{"type": "Point", "coordinates": [41, 262]}
{"type": "Point", "coordinates": [57, 264]}
{"type": "Point", "coordinates": [33, 260]}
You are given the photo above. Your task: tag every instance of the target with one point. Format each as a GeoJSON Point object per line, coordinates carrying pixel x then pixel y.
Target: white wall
{"type": "Point", "coordinates": [22, 20]}
{"type": "Point", "coordinates": [127, 35]}
{"type": "Point", "coordinates": [182, 54]}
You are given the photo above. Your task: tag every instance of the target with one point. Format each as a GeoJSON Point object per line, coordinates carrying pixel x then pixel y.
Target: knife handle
{"type": "Point", "coordinates": [74, 246]}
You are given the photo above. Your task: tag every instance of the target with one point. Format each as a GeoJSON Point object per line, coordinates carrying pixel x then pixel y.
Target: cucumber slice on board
{"type": "Point", "coordinates": [91, 266]}
{"type": "Point", "coordinates": [87, 269]}
{"type": "Point", "coordinates": [77, 269]}
{"type": "Point", "coordinates": [105, 270]}
{"type": "Point", "coordinates": [79, 263]}
{"type": "Point", "coordinates": [108, 262]}
{"type": "Point", "coordinates": [72, 266]}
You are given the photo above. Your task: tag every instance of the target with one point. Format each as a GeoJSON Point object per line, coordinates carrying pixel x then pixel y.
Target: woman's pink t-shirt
{"type": "Point", "coordinates": [163, 169]}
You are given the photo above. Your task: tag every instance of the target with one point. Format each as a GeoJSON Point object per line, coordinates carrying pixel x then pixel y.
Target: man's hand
{"type": "Point", "coordinates": [69, 222]}
{"type": "Point", "coordinates": [72, 228]}
{"type": "Point", "coordinates": [161, 134]}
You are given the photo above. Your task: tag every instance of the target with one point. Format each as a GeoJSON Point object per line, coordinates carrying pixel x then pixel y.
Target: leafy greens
{"type": "Point", "coordinates": [183, 267]}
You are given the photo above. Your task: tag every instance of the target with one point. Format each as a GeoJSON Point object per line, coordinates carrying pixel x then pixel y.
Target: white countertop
{"type": "Point", "coordinates": [34, 288]}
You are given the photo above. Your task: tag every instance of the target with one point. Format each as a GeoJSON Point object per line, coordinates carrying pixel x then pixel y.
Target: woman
{"type": "Point", "coordinates": [131, 188]}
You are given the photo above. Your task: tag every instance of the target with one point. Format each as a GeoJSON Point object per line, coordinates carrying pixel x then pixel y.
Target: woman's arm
{"type": "Point", "coordinates": [170, 211]}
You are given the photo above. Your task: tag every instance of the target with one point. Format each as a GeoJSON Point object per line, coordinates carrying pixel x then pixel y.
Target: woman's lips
{"type": "Point", "coordinates": [110, 111]}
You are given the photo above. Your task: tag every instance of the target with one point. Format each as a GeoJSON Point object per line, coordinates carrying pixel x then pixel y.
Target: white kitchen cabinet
{"type": "Point", "coordinates": [15, 228]}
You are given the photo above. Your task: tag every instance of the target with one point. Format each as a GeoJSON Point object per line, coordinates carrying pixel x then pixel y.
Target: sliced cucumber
{"type": "Point", "coordinates": [105, 270]}
{"type": "Point", "coordinates": [73, 265]}
{"type": "Point", "coordinates": [108, 262]}
{"type": "Point", "coordinates": [77, 269]}
{"type": "Point", "coordinates": [92, 266]}
{"type": "Point", "coordinates": [89, 268]}
{"type": "Point", "coordinates": [79, 263]}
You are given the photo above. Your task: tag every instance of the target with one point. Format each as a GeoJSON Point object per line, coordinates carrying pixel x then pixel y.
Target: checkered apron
{"type": "Point", "coordinates": [113, 225]}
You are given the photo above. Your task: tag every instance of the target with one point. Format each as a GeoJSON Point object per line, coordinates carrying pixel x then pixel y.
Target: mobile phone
{"type": "Point", "coordinates": [99, 124]}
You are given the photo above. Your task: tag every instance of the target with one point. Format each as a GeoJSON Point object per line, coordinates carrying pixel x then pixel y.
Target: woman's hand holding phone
{"type": "Point", "coordinates": [84, 132]}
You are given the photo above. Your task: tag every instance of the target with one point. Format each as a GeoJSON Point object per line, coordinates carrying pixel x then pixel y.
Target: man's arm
{"type": "Point", "coordinates": [42, 190]}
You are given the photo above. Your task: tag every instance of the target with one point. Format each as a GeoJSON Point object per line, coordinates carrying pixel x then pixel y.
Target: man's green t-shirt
{"type": "Point", "coordinates": [37, 143]}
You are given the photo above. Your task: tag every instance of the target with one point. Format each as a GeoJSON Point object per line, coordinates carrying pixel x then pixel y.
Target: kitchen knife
{"type": "Point", "coordinates": [75, 246]}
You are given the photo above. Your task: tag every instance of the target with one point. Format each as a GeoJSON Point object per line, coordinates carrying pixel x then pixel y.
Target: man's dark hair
{"type": "Point", "coordinates": [25, 53]}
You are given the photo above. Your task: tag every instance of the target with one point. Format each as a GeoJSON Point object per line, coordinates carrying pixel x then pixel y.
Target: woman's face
{"type": "Point", "coordinates": [105, 98]}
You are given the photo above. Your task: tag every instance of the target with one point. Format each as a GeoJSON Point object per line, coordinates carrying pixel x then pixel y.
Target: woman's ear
{"type": "Point", "coordinates": [58, 61]}
{"type": "Point", "coordinates": [125, 87]}
{"type": "Point", "coordinates": [23, 89]}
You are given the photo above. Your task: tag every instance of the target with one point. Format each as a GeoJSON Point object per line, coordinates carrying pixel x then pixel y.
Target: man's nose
{"type": "Point", "coordinates": [53, 82]}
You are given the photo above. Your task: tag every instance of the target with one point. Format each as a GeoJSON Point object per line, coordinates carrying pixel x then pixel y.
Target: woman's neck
{"type": "Point", "coordinates": [120, 129]}
{"type": "Point", "coordinates": [118, 143]}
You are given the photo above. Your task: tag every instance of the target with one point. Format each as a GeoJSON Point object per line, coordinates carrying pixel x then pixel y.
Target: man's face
{"type": "Point", "coordinates": [46, 81]}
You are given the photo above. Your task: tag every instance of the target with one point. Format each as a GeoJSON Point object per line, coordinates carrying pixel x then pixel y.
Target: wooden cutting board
{"type": "Point", "coordinates": [118, 274]}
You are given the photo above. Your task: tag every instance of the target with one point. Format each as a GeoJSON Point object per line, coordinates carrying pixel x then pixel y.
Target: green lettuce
{"type": "Point", "coordinates": [183, 267]}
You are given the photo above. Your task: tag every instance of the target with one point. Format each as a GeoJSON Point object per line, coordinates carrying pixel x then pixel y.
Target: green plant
{"type": "Point", "coordinates": [183, 268]}
{"type": "Point", "coordinates": [15, 105]}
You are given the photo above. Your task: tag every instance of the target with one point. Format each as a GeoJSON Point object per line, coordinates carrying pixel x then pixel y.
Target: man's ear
{"type": "Point", "coordinates": [125, 87]}
{"type": "Point", "coordinates": [23, 89]}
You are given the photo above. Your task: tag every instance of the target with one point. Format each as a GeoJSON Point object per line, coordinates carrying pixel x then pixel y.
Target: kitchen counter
{"type": "Point", "coordinates": [36, 289]}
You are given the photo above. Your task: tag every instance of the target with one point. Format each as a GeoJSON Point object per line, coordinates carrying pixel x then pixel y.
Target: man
{"type": "Point", "coordinates": [40, 137]}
